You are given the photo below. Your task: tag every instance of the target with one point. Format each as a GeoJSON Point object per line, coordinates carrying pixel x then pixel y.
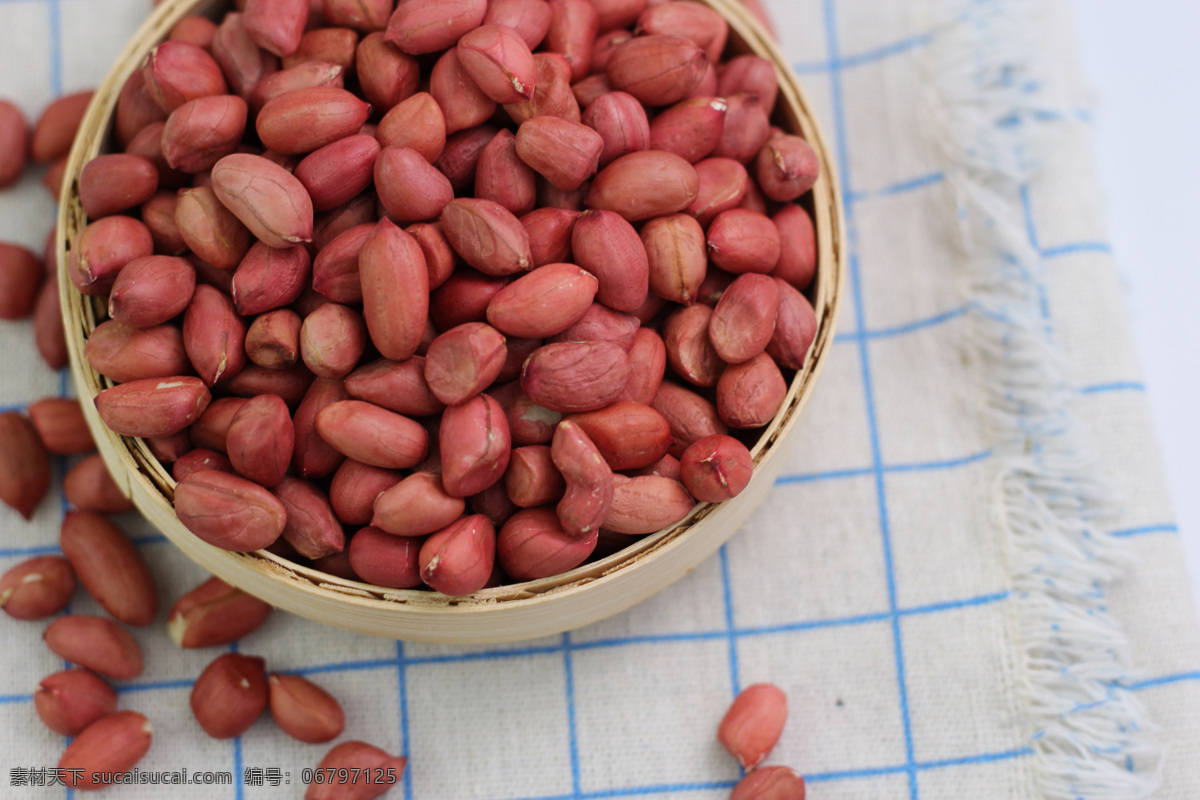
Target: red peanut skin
{"type": "Point", "coordinates": [313, 457]}
{"type": "Point", "coordinates": [176, 72]}
{"type": "Point", "coordinates": [335, 269]}
{"type": "Point", "coordinates": [544, 302]}
{"type": "Point", "coordinates": [153, 407]}
{"type": "Point", "coordinates": [532, 545]}
{"type": "Point", "coordinates": [753, 724]}
{"type": "Point", "coordinates": [304, 120]}
{"type": "Point", "coordinates": [689, 351]}
{"type": "Point", "coordinates": [474, 441]}
{"type": "Point", "coordinates": [487, 236]}
{"type": "Point", "coordinates": [276, 25]}
{"type": "Point", "coordinates": [112, 744]}
{"type": "Point", "coordinates": [628, 435]}
{"type": "Point", "coordinates": [215, 613]}
{"type": "Point", "coordinates": [124, 354]}
{"type": "Point", "coordinates": [417, 27]}
{"type": "Point", "coordinates": [464, 361]}
{"type": "Point", "coordinates": [744, 319]}
{"type": "Point", "coordinates": [151, 290]}
{"type": "Point", "coordinates": [532, 479]}
{"type": "Point", "coordinates": [677, 256]}
{"type": "Point", "coordinates": [359, 211]}
{"type": "Point", "coordinates": [361, 756]}
{"type": "Point", "coordinates": [500, 63]}
{"type": "Point", "coordinates": [769, 783]}
{"type": "Point", "coordinates": [103, 249]}
{"type": "Point", "coordinates": [110, 567]}
{"type": "Point", "coordinates": [529, 18]}
{"type": "Point", "coordinates": [553, 96]}
{"type": "Point", "coordinates": [229, 511]}
{"type": "Point", "coordinates": [750, 74]}
{"type": "Point", "coordinates": [657, 69]}
{"type": "Point", "coordinates": [747, 129]}
{"type": "Point", "coordinates": [273, 340]}
{"type": "Point", "coordinates": [460, 157]}
{"type": "Point", "coordinates": [458, 559]}
{"type": "Point", "coordinates": [549, 231]}
{"type": "Point", "coordinates": [786, 168]}
{"type": "Point", "coordinates": [645, 504]}
{"type": "Point", "coordinates": [214, 335]}
{"type": "Point", "coordinates": [691, 129]}
{"type": "Point", "coordinates": [96, 643]}
{"type": "Point", "coordinates": [331, 45]}
{"type": "Point", "coordinates": [261, 439]}
{"type": "Point", "coordinates": [201, 132]}
{"type": "Point", "coordinates": [48, 334]}
{"type": "Point", "coordinates": [303, 710]}
{"type": "Point", "coordinates": [268, 199]}
{"type": "Point", "coordinates": [69, 701]}
{"type": "Point", "coordinates": [564, 152]}
{"type": "Point", "coordinates": [589, 480]}
{"type": "Point", "coordinates": [169, 448]}
{"type": "Point", "coordinates": [335, 174]}
{"type": "Point", "coordinates": [395, 385]}
{"type": "Point", "coordinates": [439, 257]}
{"type": "Point", "coordinates": [502, 177]}
{"type": "Point", "coordinates": [648, 364]}
{"type": "Point", "coordinates": [528, 423]}
{"type": "Point", "coordinates": [89, 487]}
{"type": "Point", "coordinates": [396, 321]}
{"type": "Point", "coordinates": [610, 248]}
{"type": "Point", "coordinates": [199, 460]}
{"type": "Point", "coordinates": [21, 276]}
{"type": "Point", "coordinates": [690, 416]}
{"type": "Point", "coordinates": [601, 324]}
{"type": "Point", "coordinates": [312, 527]}
{"type": "Point", "coordinates": [749, 394]}
{"type": "Point", "coordinates": [229, 695]}
{"type": "Point", "coordinates": [115, 182]}
{"type": "Point", "coordinates": [332, 340]}
{"type": "Point", "coordinates": [194, 30]}
{"type": "Point", "coordinates": [798, 246]}
{"type": "Point", "coordinates": [645, 184]}
{"type": "Point", "coordinates": [55, 128]}
{"type": "Point", "coordinates": [211, 230]}
{"type": "Point", "coordinates": [576, 376]}
{"type": "Point", "coordinates": [136, 109]}
{"type": "Point", "coordinates": [14, 143]}
{"type": "Point", "coordinates": [693, 21]}
{"type": "Point", "coordinates": [385, 74]}
{"type": "Point", "coordinates": [463, 103]}
{"type": "Point", "coordinates": [724, 184]}
{"type": "Point", "coordinates": [354, 489]}
{"type": "Point", "coordinates": [409, 187]}
{"type": "Point", "coordinates": [37, 587]}
{"type": "Point", "coordinates": [573, 28]}
{"type": "Point", "coordinates": [742, 241]}
{"type": "Point", "coordinates": [416, 506]}
{"type": "Point", "coordinates": [385, 560]}
{"type": "Point", "coordinates": [716, 468]}
{"type": "Point", "coordinates": [416, 122]}
{"type": "Point", "coordinates": [301, 76]}
{"type": "Point", "coordinates": [372, 435]}
{"type": "Point", "coordinates": [60, 425]}
{"type": "Point", "coordinates": [212, 428]}
{"type": "Point", "coordinates": [290, 384]}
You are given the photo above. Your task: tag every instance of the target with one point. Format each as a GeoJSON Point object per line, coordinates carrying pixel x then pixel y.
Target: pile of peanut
{"type": "Point", "coordinates": [446, 294]}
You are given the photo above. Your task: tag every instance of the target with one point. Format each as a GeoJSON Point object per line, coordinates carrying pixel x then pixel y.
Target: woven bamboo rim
{"type": "Point", "coordinates": [509, 613]}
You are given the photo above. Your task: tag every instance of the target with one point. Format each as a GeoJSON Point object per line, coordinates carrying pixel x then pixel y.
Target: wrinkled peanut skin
{"type": "Point", "coordinates": [589, 479]}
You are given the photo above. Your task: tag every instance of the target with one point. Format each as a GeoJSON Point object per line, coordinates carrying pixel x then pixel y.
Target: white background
{"type": "Point", "coordinates": [1142, 59]}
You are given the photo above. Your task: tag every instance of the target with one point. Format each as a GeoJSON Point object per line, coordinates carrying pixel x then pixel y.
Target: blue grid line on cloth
{"type": "Point", "coordinates": [572, 732]}
{"type": "Point", "coordinates": [1116, 386]}
{"type": "Point", "coordinates": [402, 699]}
{"type": "Point", "coordinates": [730, 628]}
{"type": "Point", "coordinates": [1167, 527]}
{"type": "Point", "coordinates": [843, 159]}
{"type": "Point", "coordinates": [837, 63]}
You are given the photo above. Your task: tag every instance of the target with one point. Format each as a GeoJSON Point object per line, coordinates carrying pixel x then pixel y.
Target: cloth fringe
{"type": "Point", "coordinates": [1087, 731]}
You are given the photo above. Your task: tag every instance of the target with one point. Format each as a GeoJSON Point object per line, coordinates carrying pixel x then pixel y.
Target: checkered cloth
{"type": "Point", "coordinates": [935, 582]}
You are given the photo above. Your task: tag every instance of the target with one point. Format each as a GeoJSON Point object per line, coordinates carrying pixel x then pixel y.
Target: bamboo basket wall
{"type": "Point", "coordinates": [509, 613]}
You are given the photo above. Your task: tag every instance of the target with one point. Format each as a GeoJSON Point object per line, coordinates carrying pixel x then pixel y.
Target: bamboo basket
{"type": "Point", "coordinates": [515, 612]}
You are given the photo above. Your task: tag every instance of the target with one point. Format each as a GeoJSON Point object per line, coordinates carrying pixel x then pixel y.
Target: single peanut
{"type": "Point", "coordinates": [409, 187]}
{"type": "Point", "coordinates": [329, 45]}
{"type": "Point", "coordinates": [395, 320]}
{"type": "Point", "coordinates": [502, 177]}
{"type": "Point", "coordinates": [532, 545]}
{"type": "Point", "coordinates": [110, 567]}
{"type": "Point", "coordinates": [645, 184]}
{"type": "Point", "coordinates": [474, 441]}
{"type": "Point", "coordinates": [214, 335]}
{"type": "Point", "coordinates": [228, 511]}
{"type": "Point", "coordinates": [116, 182]}
{"type": "Point", "coordinates": [385, 560]}
{"type": "Point", "coordinates": [418, 27]}
{"type": "Point", "coordinates": [69, 701]}
{"type": "Point", "coordinates": [689, 415]}
{"type": "Point", "coordinates": [716, 468]}
{"type": "Point", "coordinates": [458, 559]}
{"type": "Point", "coordinates": [332, 340]}
{"type": "Point", "coordinates": [151, 290]}
{"type": "Point", "coordinates": [749, 74]}
{"type": "Point", "coordinates": [459, 160]}
{"type": "Point", "coordinates": [750, 393]}
{"type": "Point", "coordinates": [798, 246]}
{"type": "Point", "coordinates": [544, 302]}
{"type": "Point", "coordinates": [690, 129]}
{"type": "Point", "coordinates": [463, 103]}
{"type": "Point", "coordinates": [89, 487]}
{"type": "Point", "coordinates": [744, 319]}
{"type": "Point", "coordinates": [312, 456]}
{"type": "Point", "coordinates": [417, 122]}
{"type": "Point", "coordinates": [657, 69]}
{"type": "Point", "coordinates": [301, 76]}
{"type": "Point", "coordinates": [786, 168]}
{"type": "Point", "coordinates": [260, 440]}
{"type": "Point", "coordinates": [355, 488]}
{"type": "Point", "coordinates": [464, 361]}
{"type": "Point", "coordinates": [303, 710]}
{"type": "Point", "coordinates": [177, 72]}
{"type": "Point", "coordinates": [97, 643]}
{"type": "Point", "coordinates": [37, 588]}
{"type": "Point", "coordinates": [303, 120]}
{"type": "Point", "coordinates": [20, 279]}
{"type": "Point", "coordinates": [60, 425]}
{"type": "Point", "coordinates": [126, 354]}
{"type": "Point", "coordinates": [529, 18]}
{"type": "Point", "coordinates": [103, 249]}
{"type": "Point", "coordinates": [743, 241]}
{"type": "Point", "coordinates": [14, 143]}
{"type": "Point", "coordinates": [627, 435]}
{"type": "Point", "coordinates": [201, 132]}
{"type": "Point", "coordinates": [372, 435]}
{"type": "Point", "coordinates": [312, 527]}
{"type": "Point", "coordinates": [589, 480]}
{"type": "Point", "coordinates": [572, 32]}
{"type": "Point", "coordinates": [601, 324]}
{"type": "Point", "coordinates": [769, 783]}
{"type": "Point", "coordinates": [500, 63]}
{"type": "Point", "coordinates": [622, 124]}
{"type": "Point", "coordinates": [549, 231]}
{"type": "Point", "coordinates": [268, 199]}
{"type": "Point", "coordinates": [487, 236]}
{"type": "Point", "coordinates": [214, 613]}
{"type": "Point", "coordinates": [565, 153]}
{"type": "Point", "coordinates": [395, 385]}
{"type": "Point", "coordinates": [273, 339]}
{"type": "Point", "coordinates": [338, 172]}
{"type": "Point", "coordinates": [276, 25]}
{"type": "Point", "coordinates": [153, 407]}
{"type": "Point", "coordinates": [359, 757]}
{"type": "Point", "coordinates": [209, 229]}
{"type": "Point", "coordinates": [648, 364]}
{"type": "Point", "coordinates": [386, 75]}
{"type": "Point", "coordinates": [198, 460]}
{"type": "Point", "coordinates": [753, 723]}
{"type": "Point", "coordinates": [576, 376]}
{"type": "Point", "coordinates": [55, 128]}
{"type": "Point", "coordinates": [229, 695]}
{"type": "Point", "coordinates": [111, 745]}
{"type": "Point", "coordinates": [646, 504]}
{"type": "Point", "coordinates": [552, 97]}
